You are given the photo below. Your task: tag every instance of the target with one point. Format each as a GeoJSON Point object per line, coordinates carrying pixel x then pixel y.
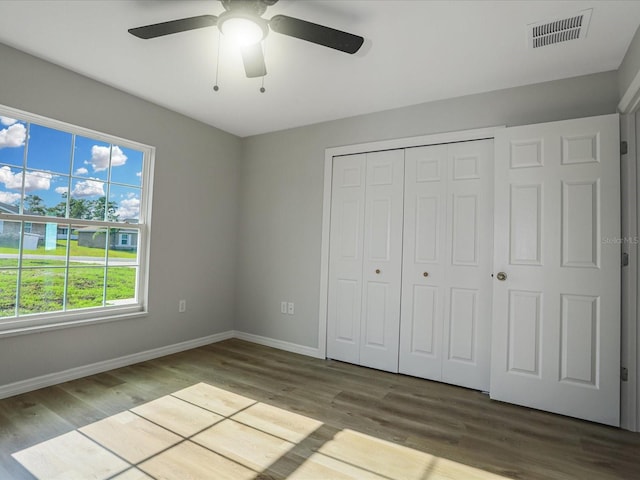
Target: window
{"type": "Point", "coordinates": [74, 210]}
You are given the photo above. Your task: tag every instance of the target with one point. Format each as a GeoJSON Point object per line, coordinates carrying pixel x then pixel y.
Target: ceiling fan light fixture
{"type": "Point", "coordinates": [242, 28]}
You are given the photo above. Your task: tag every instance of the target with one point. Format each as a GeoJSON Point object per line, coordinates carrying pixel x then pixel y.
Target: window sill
{"type": "Point", "coordinates": [23, 327]}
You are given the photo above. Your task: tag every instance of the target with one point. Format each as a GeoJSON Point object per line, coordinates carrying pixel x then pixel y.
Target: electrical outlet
{"type": "Point", "coordinates": [290, 308]}
{"type": "Point", "coordinates": [182, 306]}
{"type": "Point", "coordinates": [283, 307]}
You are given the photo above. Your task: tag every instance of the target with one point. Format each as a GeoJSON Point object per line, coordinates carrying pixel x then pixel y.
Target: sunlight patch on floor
{"type": "Point", "coordinates": [204, 432]}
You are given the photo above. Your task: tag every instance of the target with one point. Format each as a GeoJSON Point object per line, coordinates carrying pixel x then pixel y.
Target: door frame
{"type": "Point", "coordinates": [629, 109]}
{"type": "Point", "coordinates": [486, 133]}
{"type": "Point", "coordinates": [630, 216]}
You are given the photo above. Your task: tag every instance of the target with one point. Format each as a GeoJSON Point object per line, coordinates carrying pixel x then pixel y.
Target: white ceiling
{"type": "Point", "coordinates": [415, 51]}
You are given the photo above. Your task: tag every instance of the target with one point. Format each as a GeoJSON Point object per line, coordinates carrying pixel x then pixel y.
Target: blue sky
{"type": "Point", "coordinates": [52, 159]}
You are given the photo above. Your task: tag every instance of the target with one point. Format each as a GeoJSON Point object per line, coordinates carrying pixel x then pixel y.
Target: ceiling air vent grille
{"type": "Point", "coordinates": [561, 30]}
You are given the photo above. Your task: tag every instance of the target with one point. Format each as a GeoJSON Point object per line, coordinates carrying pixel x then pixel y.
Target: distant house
{"type": "Point", "coordinates": [119, 238]}
{"type": "Point", "coordinates": [34, 233]}
{"type": "Point", "coordinates": [7, 208]}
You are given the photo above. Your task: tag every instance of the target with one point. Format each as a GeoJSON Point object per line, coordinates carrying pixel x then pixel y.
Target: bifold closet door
{"type": "Point", "coordinates": [346, 241]}
{"type": "Point", "coordinates": [556, 327]}
{"type": "Point", "coordinates": [382, 260]}
{"type": "Point", "coordinates": [365, 259]}
{"type": "Point", "coordinates": [447, 261]}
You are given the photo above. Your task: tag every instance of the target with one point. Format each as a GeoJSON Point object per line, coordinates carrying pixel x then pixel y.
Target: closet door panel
{"type": "Point", "coordinates": [424, 269]}
{"type": "Point", "coordinates": [382, 260]}
{"type": "Point", "coordinates": [446, 296]}
{"type": "Point", "coordinates": [345, 258]}
{"type": "Point", "coordinates": [468, 296]}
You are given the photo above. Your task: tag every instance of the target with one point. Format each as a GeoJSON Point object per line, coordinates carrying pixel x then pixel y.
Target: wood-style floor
{"type": "Point", "coordinates": [370, 415]}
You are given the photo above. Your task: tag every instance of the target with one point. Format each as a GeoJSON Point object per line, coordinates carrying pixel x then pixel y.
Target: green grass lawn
{"type": "Point", "coordinates": [42, 283]}
{"type": "Point", "coordinates": [42, 289]}
{"type": "Point", "coordinates": [75, 251]}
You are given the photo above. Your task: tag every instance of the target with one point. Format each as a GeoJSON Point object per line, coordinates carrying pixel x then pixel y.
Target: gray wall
{"type": "Point", "coordinates": [251, 209]}
{"type": "Point", "coordinates": [195, 209]}
{"type": "Point", "coordinates": [630, 65]}
{"type": "Point", "coordinates": [281, 186]}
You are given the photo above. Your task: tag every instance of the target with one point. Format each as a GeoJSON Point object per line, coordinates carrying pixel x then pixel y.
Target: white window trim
{"type": "Point", "coordinates": [34, 323]}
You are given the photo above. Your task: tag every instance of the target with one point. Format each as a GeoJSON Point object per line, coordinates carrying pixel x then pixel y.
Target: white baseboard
{"type": "Point", "coordinates": [35, 383]}
{"type": "Point", "coordinates": [55, 378]}
{"type": "Point", "coordinates": [279, 344]}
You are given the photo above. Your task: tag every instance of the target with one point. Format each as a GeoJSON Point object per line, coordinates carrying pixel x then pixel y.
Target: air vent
{"type": "Point", "coordinates": [550, 32]}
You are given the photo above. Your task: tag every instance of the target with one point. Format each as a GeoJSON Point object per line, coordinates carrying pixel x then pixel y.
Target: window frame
{"type": "Point", "coordinates": [37, 322]}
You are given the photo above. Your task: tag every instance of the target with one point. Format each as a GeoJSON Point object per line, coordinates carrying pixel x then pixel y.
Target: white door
{"type": "Point", "coordinates": [448, 243]}
{"type": "Point", "coordinates": [556, 307]}
{"type": "Point", "coordinates": [467, 308]}
{"type": "Point", "coordinates": [382, 265]}
{"type": "Point", "coordinates": [365, 259]}
{"type": "Point", "coordinates": [424, 261]}
{"type": "Point", "coordinates": [345, 258]}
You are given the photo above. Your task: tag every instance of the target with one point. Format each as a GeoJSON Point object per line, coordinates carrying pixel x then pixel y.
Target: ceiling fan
{"type": "Point", "coordinates": [242, 21]}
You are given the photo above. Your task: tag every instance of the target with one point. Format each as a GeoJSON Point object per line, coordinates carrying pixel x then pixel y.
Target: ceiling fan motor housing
{"type": "Point", "coordinates": [257, 7]}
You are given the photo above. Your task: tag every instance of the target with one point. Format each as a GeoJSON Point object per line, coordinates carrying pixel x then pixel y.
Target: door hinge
{"type": "Point", "coordinates": [624, 148]}
{"type": "Point", "coordinates": [624, 374]}
{"type": "Point", "coordinates": [625, 259]}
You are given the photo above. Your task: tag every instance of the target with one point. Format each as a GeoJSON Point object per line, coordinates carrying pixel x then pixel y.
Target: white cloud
{"type": "Point", "coordinates": [32, 181]}
{"type": "Point", "coordinates": [14, 136]}
{"type": "Point", "coordinates": [62, 190]}
{"type": "Point", "coordinates": [88, 188]}
{"type": "Point", "coordinates": [7, 121]}
{"type": "Point", "coordinates": [8, 197]}
{"type": "Point", "coordinates": [128, 208]}
{"type": "Point", "coordinates": [82, 171]}
{"type": "Point", "coordinates": [37, 181]}
{"type": "Point", "coordinates": [100, 158]}
{"type": "Point", "coordinates": [138, 174]}
{"type": "Point", "coordinates": [10, 180]}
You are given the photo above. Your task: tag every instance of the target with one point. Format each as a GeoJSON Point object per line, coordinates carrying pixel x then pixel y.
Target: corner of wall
{"type": "Point", "coordinates": [629, 77]}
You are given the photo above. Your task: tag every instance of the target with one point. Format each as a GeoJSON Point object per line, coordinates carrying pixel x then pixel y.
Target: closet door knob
{"type": "Point", "coordinates": [501, 276]}
{"type": "Point", "coordinates": [425, 274]}
{"type": "Point", "coordinates": [377, 271]}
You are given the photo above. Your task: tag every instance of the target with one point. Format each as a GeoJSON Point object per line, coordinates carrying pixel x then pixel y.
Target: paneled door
{"type": "Point", "coordinates": [382, 264]}
{"type": "Point", "coordinates": [447, 262]}
{"type": "Point", "coordinates": [346, 242]}
{"type": "Point", "coordinates": [556, 292]}
{"type": "Point", "coordinates": [365, 259]}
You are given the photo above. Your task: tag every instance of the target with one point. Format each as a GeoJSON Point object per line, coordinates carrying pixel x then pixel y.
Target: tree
{"type": "Point", "coordinates": [59, 210]}
{"type": "Point", "coordinates": [79, 208]}
{"type": "Point", "coordinates": [34, 205]}
{"type": "Point", "coordinates": [98, 209]}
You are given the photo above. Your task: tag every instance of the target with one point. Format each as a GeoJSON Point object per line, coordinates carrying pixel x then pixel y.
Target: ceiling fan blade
{"type": "Point", "coordinates": [253, 59]}
{"type": "Point", "coordinates": [173, 26]}
{"type": "Point", "coordinates": [314, 33]}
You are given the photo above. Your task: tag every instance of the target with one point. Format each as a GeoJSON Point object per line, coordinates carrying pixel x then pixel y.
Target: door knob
{"type": "Point", "coordinates": [425, 274]}
{"type": "Point", "coordinates": [501, 276]}
{"type": "Point", "coordinates": [378, 271]}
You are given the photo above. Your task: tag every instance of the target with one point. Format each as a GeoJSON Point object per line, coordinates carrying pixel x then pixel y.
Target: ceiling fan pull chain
{"type": "Point", "coordinates": [215, 86]}
{"type": "Point", "coordinates": [264, 53]}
